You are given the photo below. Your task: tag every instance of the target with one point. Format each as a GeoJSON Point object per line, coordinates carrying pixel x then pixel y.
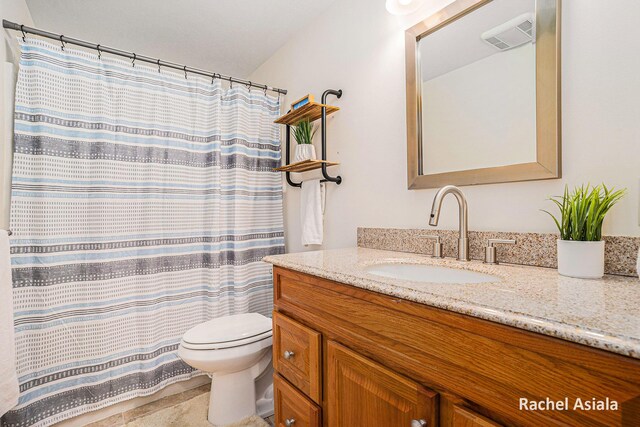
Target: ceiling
{"type": "Point", "coordinates": [225, 36]}
{"type": "Point", "coordinates": [459, 43]}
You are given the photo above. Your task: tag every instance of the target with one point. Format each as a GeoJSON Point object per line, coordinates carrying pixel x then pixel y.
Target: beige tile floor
{"type": "Point", "coordinates": [186, 409]}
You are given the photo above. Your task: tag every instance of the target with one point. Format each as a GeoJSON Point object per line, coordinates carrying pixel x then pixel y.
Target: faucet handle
{"type": "Point", "coordinates": [490, 249]}
{"type": "Point", "coordinates": [437, 246]}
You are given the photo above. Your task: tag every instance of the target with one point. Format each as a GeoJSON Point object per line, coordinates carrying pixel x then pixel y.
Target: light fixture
{"type": "Point", "coordinates": [403, 7]}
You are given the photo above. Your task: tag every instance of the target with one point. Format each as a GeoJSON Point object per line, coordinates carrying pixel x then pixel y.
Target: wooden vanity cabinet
{"type": "Point", "coordinates": [368, 359]}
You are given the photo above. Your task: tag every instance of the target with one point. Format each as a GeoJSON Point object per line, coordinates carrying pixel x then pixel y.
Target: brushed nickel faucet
{"type": "Point", "coordinates": [490, 250]}
{"type": "Point", "coordinates": [463, 237]}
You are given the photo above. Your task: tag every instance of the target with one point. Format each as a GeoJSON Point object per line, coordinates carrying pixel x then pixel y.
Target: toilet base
{"type": "Point", "coordinates": [233, 395]}
{"type": "Point", "coordinates": [264, 393]}
{"type": "Point", "coordinates": [264, 406]}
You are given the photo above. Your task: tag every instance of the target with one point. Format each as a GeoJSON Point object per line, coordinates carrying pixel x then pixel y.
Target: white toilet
{"type": "Point", "coordinates": [236, 352]}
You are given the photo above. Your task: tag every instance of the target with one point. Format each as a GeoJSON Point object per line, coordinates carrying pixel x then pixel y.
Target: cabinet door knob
{"type": "Point", "coordinates": [418, 423]}
{"type": "Point", "coordinates": [289, 355]}
{"type": "Point", "coordinates": [289, 422]}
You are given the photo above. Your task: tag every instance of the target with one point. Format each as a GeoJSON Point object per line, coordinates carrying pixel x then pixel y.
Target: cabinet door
{"type": "Point", "coordinates": [463, 417]}
{"type": "Point", "coordinates": [363, 393]}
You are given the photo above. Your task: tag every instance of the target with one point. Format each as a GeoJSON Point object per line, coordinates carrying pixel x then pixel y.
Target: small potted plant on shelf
{"type": "Point", "coordinates": [303, 133]}
{"type": "Point", "coordinates": [582, 211]}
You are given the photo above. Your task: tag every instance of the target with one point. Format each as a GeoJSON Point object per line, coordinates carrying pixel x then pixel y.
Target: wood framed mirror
{"type": "Point", "coordinates": [483, 94]}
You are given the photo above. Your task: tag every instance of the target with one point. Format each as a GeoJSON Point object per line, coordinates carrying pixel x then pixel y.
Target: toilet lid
{"type": "Point", "coordinates": [245, 328]}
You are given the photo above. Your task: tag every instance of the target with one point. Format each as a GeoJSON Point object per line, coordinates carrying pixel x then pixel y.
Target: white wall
{"type": "Point", "coordinates": [496, 127]}
{"type": "Point", "coordinates": [358, 47]}
{"type": "Point", "coordinates": [16, 11]}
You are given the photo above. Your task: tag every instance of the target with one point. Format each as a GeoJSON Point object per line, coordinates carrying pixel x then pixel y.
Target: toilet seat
{"type": "Point", "coordinates": [228, 332]}
{"type": "Point", "coordinates": [226, 344]}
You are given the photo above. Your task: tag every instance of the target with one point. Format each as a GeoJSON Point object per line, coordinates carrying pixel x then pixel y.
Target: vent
{"type": "Point", "coordinates": [513, 33]}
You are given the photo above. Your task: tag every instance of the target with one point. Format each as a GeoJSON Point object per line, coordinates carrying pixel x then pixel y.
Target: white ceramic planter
{"type": "Point", "coordinates": [584, 260]}
{"type": "Point", "coordinates": [304, 152]}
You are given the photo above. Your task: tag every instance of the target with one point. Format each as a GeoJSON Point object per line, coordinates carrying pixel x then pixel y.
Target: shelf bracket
{"type": "Point", "coordinates": [323, 134]}
{"type": "Point", "coordinates": [288, 160]}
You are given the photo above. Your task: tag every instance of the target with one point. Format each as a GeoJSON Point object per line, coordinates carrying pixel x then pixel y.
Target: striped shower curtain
{"type": "Point", "coordinates": [143, 202]}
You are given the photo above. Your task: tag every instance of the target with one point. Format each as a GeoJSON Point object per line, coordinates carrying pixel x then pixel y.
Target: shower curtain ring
{"type": "Point", "coordinates": [158, 65]}
{"type": "Point", "coordinates": [185, 71]}
{"type": "Point", "coordinates": [265, 90]}
{"type": "Point", "coordinates": [133, 62]}
{"type": "Point", "coordinates": [99, 52]}
{"type": "Point", "coordinates": [24, 35]}
{"type": "Point", "coordinates": [61, 42]}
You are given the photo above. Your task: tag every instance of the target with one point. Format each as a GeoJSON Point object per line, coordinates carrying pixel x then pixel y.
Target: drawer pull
{"type": "Point", "coordinates": [290, 422]}
{"type": "Point", "coordinates": [418, 423]}
{"type": "Point", "coordinates": [289, 355]}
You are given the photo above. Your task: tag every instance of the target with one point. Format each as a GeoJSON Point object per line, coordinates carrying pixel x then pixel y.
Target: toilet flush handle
{"type": "Point", "coordinates": [289, 355]}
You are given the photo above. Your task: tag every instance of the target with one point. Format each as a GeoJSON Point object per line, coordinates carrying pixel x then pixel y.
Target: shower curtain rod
{"type": "Point", "coordinates": [160, 63]}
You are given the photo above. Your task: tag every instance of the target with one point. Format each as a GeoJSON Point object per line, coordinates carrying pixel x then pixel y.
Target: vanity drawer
{"type": "Point", "coordinates": [292, 408]}
{"type": "Point", "coordinates": [296, 354]}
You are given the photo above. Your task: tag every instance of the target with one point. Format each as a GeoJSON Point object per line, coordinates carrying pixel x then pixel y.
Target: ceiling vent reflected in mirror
{"type": "Point", "coordinates": [513, 33]}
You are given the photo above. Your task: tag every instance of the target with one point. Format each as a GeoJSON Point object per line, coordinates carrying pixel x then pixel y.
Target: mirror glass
{"type": "Point", "coordinates": [477, 84]}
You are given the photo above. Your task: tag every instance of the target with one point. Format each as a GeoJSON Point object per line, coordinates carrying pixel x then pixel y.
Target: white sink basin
{"type": "Point", "coordinates": [429, 273]}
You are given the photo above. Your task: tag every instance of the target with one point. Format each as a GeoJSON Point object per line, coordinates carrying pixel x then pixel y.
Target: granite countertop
{"type": "Point", "coordinates": [599, 313]}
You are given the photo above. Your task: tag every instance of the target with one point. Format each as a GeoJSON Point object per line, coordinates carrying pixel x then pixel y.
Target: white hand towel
{"type": "Point", "coordinates": [311, 211]}
{"type": "Point", "coordinates": [8, 378]}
